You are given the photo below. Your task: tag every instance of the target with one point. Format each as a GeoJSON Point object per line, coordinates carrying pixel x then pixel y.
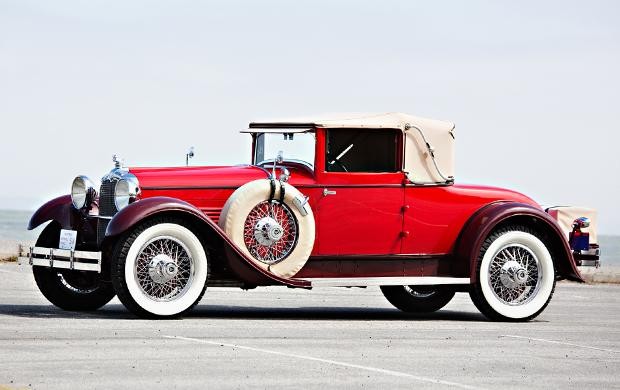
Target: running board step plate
{"type": "Point", "coordinates": [385, 281]}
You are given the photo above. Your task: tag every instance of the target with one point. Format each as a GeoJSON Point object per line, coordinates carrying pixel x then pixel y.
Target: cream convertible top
{"type": "Point", "coordinates": [429, 143]}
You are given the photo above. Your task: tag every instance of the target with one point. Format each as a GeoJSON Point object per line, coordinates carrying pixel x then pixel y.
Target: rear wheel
{"type": "Point", "coordinates": [69, 290]}
{"type": "Point", "coordinates": [515, 275]}
{"type": "Point", "coordinates": [160, 269]}
{"type": "Point", "coordinates": [418, 299]}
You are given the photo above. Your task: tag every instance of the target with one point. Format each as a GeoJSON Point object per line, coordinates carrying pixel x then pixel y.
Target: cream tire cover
{"type": "Point", "coordinates": [245, 199]}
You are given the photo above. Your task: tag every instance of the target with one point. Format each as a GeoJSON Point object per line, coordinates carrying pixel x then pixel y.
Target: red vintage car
{"type": "Point", "coordinates": [342, 201]}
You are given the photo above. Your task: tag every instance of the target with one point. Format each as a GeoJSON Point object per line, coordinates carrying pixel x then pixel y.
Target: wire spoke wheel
{"type": "Point", "coordinates": [79, 282]}
{"type": "Point", "coordinates": [69, 289]}
{"type": "Point", "coordinates": [270, 232]}
{"type": "Point", "coordinates": [160, 268]}
{"type": "Point", "coordinates": [514, 274]}
{"type": "Point", "coordinates": [418, 299]}
{"type": "Point", "coordinates": [164, 268]}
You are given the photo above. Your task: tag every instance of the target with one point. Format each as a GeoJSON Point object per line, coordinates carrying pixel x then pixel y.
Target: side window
{"type": "Point", "coordinates": [362, 150]}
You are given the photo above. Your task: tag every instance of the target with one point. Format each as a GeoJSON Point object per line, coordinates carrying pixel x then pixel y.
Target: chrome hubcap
{"type": "Point", "coordinates": [270, 232]}
{"type": "Point", "coordinates": [515, 275]}
{"type": "Point", "coordinates": [512, 274]}
{"type": "Point", "coordinates": [164, 269]}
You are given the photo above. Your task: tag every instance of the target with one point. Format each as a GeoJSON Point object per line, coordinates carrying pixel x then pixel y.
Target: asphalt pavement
{"type": "Point", "coordinates": [278, 337]}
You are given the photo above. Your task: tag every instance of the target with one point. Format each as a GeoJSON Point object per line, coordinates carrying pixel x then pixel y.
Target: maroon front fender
{"type": "Point", "coordinates": [482, 223]}
{"type": "Point", "coordinates": [242, 265]}
{"type": "Point", "coordinates": [138, 211]}
{"type": "Point", "coordinates": [59, 209]}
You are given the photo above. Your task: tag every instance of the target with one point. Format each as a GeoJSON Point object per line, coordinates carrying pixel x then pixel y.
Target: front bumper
{"type": "Point", "coordinates": [62, 258]}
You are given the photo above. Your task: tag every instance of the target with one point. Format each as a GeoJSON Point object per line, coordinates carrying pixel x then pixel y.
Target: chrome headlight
{"type": "Point", "coordinates": [83, 192]}
{"type": "Point", "coordinates": [126, 191]}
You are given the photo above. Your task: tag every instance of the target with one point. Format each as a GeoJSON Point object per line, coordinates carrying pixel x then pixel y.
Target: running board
{"type": "Point", "coordinates": [385, 281]}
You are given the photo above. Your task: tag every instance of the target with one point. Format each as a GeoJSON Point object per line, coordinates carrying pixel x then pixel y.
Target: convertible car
{"type": "Point", "coordinates": [342, 201]}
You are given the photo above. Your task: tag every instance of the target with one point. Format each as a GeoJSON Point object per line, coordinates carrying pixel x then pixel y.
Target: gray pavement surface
{"type": "Point", "coordinates": [326, 338]}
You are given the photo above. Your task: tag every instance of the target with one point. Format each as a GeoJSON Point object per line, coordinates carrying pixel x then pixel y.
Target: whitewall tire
{"type": "Point", "coordinates": [160, 269]}
{"type": "Point", "coordinates": [515, 275]}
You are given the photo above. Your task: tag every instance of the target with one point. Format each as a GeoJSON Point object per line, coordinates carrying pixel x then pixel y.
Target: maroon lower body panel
{"type": "Point", "coordinates": [376, 266]}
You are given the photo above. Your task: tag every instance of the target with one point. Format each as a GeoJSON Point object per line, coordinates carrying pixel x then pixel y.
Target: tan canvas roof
{"type": "Point", "coordinates": [420, 165]}
{"type": "Point", "coordinates": [388, 120]}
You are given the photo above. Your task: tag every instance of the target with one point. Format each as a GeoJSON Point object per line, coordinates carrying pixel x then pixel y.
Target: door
{"type": "Point", "coordinates": [361, 198]}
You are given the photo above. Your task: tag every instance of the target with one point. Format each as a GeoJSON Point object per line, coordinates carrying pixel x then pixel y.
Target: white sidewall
{"type": "Point", "coordinates": [244, 199]}
{"type": "Point", "coordinates": [545, 267]}
{"type": "Point", "coordinates": [197, 253]}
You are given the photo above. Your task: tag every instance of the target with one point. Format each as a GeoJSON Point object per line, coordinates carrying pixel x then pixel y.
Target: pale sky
{"type": "Point", "coordinates": [533, 87]}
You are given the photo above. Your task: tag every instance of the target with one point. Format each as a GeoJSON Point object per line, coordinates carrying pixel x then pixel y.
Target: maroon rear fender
{"type": "Point", "coordinates": [243, 266]}
{"type": "Point", "coordinates": [485, 220]}
{"type": "Point", "coordinates": [59, 209]}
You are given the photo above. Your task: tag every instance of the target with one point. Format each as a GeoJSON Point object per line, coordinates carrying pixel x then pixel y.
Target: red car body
{"type": "Point", "coordinates": [381, 228]}
{"type": "Point", "coordinates": [378, 224]}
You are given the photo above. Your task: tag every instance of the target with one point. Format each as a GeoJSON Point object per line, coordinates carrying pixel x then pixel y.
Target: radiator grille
{"type": "Point", "coordinates": [106, 198]}
{"type": "Point", "coordinates": [107, 208]}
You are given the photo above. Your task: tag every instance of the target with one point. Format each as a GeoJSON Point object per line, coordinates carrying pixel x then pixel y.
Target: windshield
{"type": "Point", "coordinates": [297, 147]}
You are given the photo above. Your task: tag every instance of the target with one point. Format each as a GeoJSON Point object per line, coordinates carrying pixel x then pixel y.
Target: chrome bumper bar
{"type": "Point", "coordinates": [61, 258]}
{"type": "Point", "coordinates": [589, 258]}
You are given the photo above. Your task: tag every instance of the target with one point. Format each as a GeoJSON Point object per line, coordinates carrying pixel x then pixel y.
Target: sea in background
{"type": "Point", "coordinates": [13, 228]}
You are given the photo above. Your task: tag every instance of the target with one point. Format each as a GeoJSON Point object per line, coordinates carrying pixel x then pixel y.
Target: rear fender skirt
{"type": "Point", "coordinates": [239, 263]}
{"type": "Point", "coordinates": [482, 223]}
{"type": "Point", "coordinates": [59, 209]}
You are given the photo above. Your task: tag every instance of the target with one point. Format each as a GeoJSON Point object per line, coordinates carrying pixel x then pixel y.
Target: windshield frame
{"type": "Point", "coordinates": [256, 143]}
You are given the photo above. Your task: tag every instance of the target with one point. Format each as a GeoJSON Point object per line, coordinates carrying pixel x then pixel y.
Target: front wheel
{"type": "Point", "coordinates": [160, 269]}
{"type": "Point", "coordinates": [69, 289]}
{"type": "Point", "coordinates": [418, 299]}
{"type": "Point", "coordinates": [515, 275]}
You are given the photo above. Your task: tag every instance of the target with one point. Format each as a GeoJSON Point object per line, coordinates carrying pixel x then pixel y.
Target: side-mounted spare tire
{"type": "Point", "coordinates": [275, 229]}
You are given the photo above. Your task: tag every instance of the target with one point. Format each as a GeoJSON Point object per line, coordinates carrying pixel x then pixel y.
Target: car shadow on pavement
{"type": "Point", "coordinates": [116, 311]}
{"type": "Point", "coordinates": [50, 311]}
{"type": "Point", "coordinates": [327, 313]}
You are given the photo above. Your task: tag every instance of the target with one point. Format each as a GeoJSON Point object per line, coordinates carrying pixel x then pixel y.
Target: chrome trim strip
{"type": "Point", "coordinates": [385, 281]}
{"type": "Point", "coordinates": [171, 188]}
{"type": "Point", "coordinates": [96, 216]}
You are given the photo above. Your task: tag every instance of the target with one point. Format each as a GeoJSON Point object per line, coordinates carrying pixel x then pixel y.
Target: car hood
{"type": "Point", "coordinates": [191, 177]}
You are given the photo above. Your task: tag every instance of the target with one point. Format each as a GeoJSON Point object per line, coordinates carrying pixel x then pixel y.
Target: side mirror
{"type": "Point", "coordinates": [189, 155]}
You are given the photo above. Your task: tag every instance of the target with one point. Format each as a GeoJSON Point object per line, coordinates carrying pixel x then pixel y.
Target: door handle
{"type": "Point", "coordinates": [328, 192]}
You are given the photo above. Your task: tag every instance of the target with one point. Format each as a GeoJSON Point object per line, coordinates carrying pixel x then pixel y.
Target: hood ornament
{"type": "Point", "coordinates": [119, 163]}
